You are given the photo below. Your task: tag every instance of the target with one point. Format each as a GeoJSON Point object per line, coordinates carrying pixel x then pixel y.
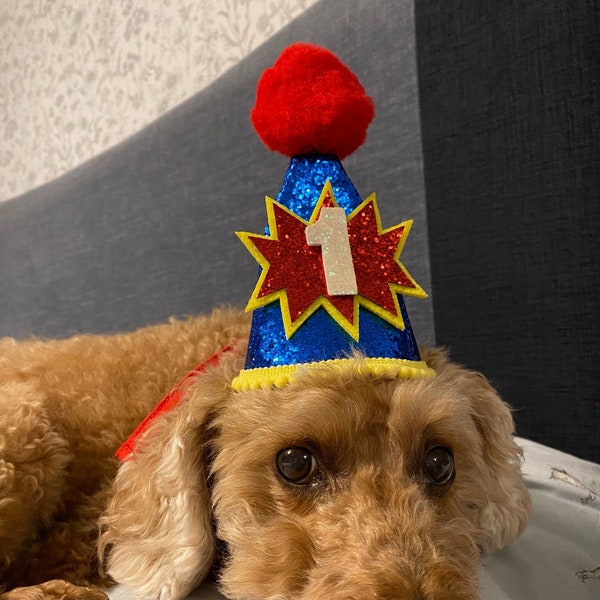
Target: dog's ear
{"type": "Point", "coordinates": [503, 511]}
{"type": "Point", "coordinates": [156, 534]}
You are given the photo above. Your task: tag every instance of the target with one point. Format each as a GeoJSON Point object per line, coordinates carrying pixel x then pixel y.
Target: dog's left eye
{"type": "Point", "coordinates": [438, 466]}
{"type": "Point", "coordinates": [297, 465]}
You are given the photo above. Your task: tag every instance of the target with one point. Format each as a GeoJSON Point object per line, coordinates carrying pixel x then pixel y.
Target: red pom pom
{"type": "Point", "coordinates": [310, 102]}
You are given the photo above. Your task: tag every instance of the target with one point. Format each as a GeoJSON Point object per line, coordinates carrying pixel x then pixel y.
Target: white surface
{"type": "Point", "coordinates": [204, 592]}
{"type": "Point", "coordinates": [562, 537]}
{"type": "Point", "coordinates": [561, 541]}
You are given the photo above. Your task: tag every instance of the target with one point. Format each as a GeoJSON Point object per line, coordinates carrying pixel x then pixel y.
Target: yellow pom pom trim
{"type": "Point", "coordinates": [253, 379]}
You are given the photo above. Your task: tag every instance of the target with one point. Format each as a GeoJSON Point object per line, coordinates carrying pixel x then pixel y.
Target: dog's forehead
{"type": "Point", "coordinates": [345, 406]}
{"type": "Point", "coordinates": [326, 397]}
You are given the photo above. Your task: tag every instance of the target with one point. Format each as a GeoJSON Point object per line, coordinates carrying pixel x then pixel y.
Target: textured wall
{"type": "Point", "coordinates": [78, 77]}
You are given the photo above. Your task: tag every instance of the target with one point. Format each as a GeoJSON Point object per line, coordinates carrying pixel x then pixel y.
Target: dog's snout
{"type": "Point", "coordinates": [359, 585]}
{"type": "Point", "coordinates": [376, 585]}
{"type": "Point", "coordinates": [391, 543]}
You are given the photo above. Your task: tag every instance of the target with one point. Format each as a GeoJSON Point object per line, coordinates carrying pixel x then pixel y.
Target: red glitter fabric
{"type": "Point", "coordinates": [297, 267]}
{"type": "Point", "coordinates": [374, 254]}
{"type": "Point", "coordinates": [308, 102]}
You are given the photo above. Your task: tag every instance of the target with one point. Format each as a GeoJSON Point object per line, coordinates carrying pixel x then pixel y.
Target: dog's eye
{"type": "Point", "coordinates": [297, 465]}
{"type": "Point", "coordinates": [438, 466]}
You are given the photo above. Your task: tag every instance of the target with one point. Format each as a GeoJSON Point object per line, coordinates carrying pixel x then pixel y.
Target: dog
{"type": "Point", "coordinates": [338, 485]}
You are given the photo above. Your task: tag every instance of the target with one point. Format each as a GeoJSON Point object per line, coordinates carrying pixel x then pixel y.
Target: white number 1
{"type": "Point", "coordinates": [330, 231]}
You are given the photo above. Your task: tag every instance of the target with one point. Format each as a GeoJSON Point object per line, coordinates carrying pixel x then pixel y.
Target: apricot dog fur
{"type": "Point", "coordinates": [367, 523]}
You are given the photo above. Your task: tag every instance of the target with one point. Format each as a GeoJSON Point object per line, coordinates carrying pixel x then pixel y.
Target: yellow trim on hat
{"type": "Point", "coordinates": [278, 376]}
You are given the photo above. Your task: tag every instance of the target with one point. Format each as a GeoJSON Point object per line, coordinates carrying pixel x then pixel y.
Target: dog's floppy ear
{"type": "Point", "coordinates": [156, 534]}
{"type": "Point", "coordinates": [503, 513]}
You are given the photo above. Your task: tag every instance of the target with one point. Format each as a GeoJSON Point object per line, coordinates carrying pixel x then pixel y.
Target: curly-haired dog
{"type": "Point", "coordinates": [337, 486]}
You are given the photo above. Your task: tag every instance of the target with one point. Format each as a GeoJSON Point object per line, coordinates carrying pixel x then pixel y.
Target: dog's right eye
{"type": "Point", "coordinates": [297, 465]}
{"type": "Point", "coordinates": [438, 466]}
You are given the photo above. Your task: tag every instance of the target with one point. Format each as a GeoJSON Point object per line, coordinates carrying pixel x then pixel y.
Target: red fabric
{"type": "Point", "coordinates": [169, 402]}
{"type": "Point", "coordinates": [308, 102]}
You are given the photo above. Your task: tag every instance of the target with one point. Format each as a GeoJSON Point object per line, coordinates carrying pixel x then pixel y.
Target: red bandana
{"type": "Point", "coordinates": [169, 401]}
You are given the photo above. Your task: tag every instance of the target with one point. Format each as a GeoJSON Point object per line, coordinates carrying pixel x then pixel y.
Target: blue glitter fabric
{"type": "Point", "coordinates": [304, 181]}
{"type": "Point", "coordinates": [320, 337]}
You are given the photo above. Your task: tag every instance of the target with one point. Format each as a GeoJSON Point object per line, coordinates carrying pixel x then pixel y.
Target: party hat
{"type": "Point", "coordinates": [331, 283]}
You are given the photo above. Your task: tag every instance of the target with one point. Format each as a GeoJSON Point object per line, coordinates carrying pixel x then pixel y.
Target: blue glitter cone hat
{"type": "Point", "coordinates": [331, 282]}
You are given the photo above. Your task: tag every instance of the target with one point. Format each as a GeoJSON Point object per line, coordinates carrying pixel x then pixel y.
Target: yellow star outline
{"type": "Point", "coordinates": [351, 327]}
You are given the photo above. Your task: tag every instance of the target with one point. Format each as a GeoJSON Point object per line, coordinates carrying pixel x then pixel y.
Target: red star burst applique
{"type": "Point", "coordinates": [301, 275]}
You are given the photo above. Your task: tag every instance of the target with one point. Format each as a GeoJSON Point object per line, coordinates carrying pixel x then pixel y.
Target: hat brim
{"type": "Point", "coordinates": [281, 375]}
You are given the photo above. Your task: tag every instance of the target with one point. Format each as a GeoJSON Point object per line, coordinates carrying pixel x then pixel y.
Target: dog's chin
{"type": "Point", "coordinates": [368, 523]}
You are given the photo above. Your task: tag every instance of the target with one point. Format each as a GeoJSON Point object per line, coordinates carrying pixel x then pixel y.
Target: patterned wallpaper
{"type": "Point", "coordinates": [78, 76]}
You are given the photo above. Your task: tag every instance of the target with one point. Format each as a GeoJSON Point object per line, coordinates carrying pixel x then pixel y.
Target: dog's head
{"type": "Point", "coordinates": [336, 486]}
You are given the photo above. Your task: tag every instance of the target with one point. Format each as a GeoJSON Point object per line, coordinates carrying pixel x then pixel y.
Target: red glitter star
{"type": "Point", "coordinates": [292, 270]}
{"type": "Point", "coordinates": [375, 252]}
